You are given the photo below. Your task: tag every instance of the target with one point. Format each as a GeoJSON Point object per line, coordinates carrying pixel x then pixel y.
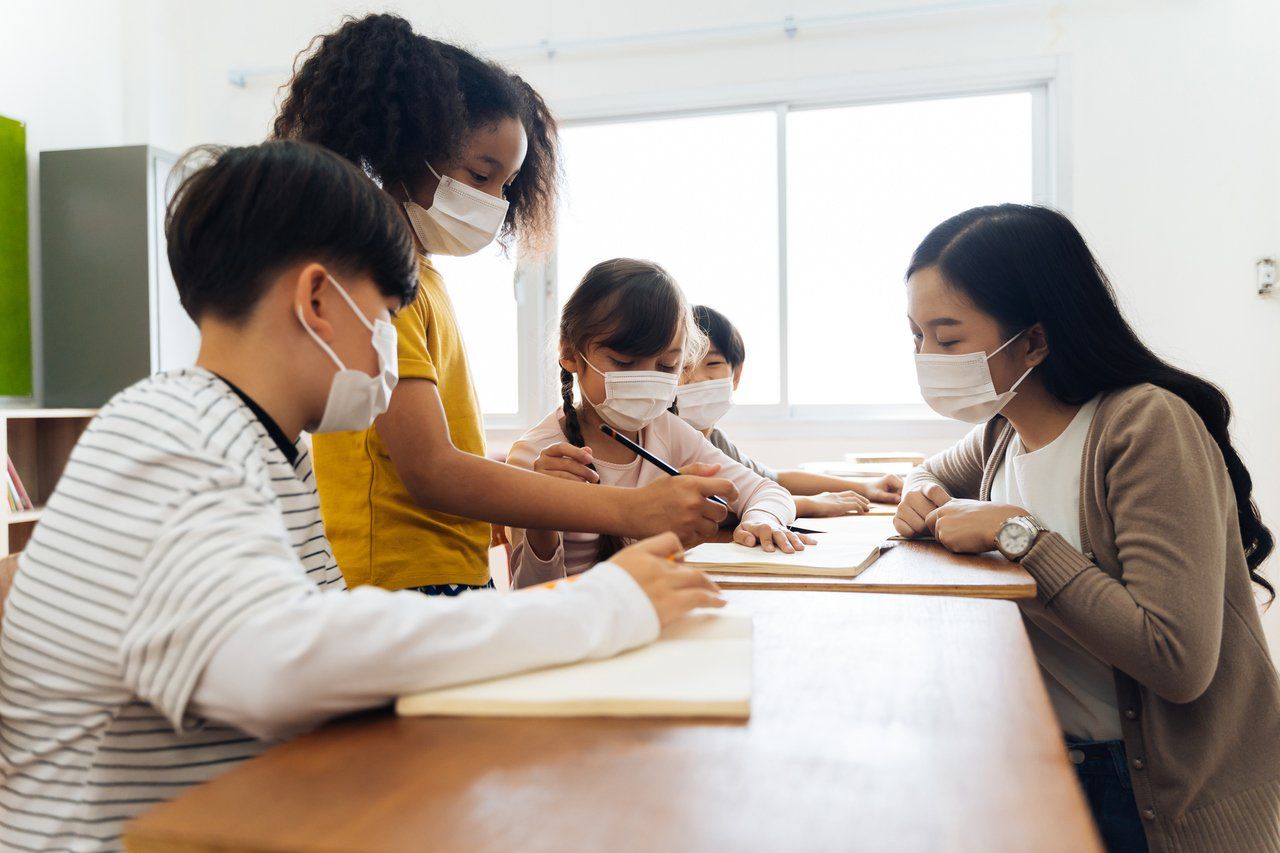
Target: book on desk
{"type": "Point", "coordinates": [699, 666]}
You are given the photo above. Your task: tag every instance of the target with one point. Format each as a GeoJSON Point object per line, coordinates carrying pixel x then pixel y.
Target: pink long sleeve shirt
{"type": "Point", "coordinates": [669, 438]}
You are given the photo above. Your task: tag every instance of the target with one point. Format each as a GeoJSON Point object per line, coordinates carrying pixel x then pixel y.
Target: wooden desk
{"type": "Point", "coordinates": [879, 723]}
{"type": "Point", "coordinates": [909, 568]}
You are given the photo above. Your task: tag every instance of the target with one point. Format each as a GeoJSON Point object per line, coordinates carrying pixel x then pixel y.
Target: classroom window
{"type": "Point", "coordinates": [795, 220]}
{"type": "Point", "coordinates": [864, 185]}
{"type": "Point", "coordinates": [481, 288]}
{"type": "Point", "coordinates": [699, 195]}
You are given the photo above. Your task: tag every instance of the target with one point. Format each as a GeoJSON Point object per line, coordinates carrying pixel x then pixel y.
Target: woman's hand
{"type": "Point", "coordinates": [970, 527]}
{"type": "Point", "coordinates": [771, 536]}
{"type": "Point", "coordinates": [886, 490]}
{"type": "Point", "coordinates": [831, 505]}
{"type": "Point", "coordinates": [915, 508]}
{"type": "Point", "coordinates": [567, 462]}
{"type": "Point", "coordinates": [673, 588]}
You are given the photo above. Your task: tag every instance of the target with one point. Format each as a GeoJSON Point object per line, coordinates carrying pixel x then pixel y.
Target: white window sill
{"type": "Point", "coordinates": [867, 433]}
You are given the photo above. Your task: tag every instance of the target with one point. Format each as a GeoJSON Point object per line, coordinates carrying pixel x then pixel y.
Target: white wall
{"type": "Point", "coordinates": [1171, 110]}
{"type": "Point", "coordinates": [61, 72]}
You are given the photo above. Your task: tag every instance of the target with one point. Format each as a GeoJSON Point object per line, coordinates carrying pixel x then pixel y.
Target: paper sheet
{"type": "Point", "coordinates": [699, 666]}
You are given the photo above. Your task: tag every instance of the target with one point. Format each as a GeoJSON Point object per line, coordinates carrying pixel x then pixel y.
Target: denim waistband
{"type": "Point", "coordinates": [1099, 757]}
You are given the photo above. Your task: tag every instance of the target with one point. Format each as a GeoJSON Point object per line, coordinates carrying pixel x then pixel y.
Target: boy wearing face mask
{"type": "Point", "coordinates": [178, 603]}
{"type": "Point", "coordinates": [705, 396]}
{"type": "Point", "coordinates": [625, 334]}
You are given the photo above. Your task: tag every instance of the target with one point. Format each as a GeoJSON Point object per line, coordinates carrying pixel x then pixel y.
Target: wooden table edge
{"type": "Point", "coordinates": [790, 583]}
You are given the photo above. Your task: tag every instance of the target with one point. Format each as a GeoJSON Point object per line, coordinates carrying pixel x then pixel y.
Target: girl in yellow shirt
{"type": "Point", "coordinates": [469, 152]}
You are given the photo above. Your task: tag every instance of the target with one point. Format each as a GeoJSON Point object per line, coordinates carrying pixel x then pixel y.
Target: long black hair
{"type": "Point", "coordinates": [1024, 264]}
{"type": "Point", "coordinates": [389, 100]}
{"type": "Point", "coordinates": [633, 307]}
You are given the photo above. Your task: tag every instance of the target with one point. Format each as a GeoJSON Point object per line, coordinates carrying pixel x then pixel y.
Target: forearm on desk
{"type": "Point", "coordinates": [807, 483]}
{"type": "Point", "coordinates": [322, 655]}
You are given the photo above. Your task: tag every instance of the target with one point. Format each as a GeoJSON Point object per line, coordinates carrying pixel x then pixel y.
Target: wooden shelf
{"type": "Point", "coordinates": [27, 515]}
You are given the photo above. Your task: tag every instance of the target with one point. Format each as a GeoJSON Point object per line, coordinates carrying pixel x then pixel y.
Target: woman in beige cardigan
{"type": "Point", "coordinates": [1110, 476]}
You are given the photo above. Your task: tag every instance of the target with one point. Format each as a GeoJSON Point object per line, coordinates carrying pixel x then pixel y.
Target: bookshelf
{"type": "Point", "coordinates": [39, 441]}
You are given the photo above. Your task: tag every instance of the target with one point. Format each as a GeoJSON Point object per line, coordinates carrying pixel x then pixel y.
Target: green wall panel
{"type": "Point", "coordinates": [15, 295]}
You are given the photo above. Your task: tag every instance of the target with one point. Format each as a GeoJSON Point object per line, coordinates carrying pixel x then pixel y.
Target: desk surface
{"type": "Point", "coordinates": [879, 723]}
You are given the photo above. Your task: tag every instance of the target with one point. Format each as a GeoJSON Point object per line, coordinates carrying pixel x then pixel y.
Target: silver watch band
{"type": "Point", "coordinates": [1028, 521]}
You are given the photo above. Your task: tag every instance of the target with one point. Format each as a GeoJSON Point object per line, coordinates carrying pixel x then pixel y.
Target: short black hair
{"type": "Point", "coordinates": [722, 334]}
{"type": "Point", "coordinates": [242, 215]}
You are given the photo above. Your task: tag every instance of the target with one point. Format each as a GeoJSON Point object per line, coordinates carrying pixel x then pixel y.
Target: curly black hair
{"type": "Point", "coordinates": [390, 100]}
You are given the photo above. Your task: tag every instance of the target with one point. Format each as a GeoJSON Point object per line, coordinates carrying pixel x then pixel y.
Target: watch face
{"type": "Point", "coordinates": [1015, 538]}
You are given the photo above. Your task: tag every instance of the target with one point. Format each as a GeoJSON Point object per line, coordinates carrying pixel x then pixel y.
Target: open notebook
{"type": "Point", "coordinates": [842, 554]}
{"type": "Point", "coordinates": [698, 667]}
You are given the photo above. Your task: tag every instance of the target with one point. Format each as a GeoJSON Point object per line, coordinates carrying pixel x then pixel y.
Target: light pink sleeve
{"type": "Point", "coordinates": [527, 568]}
{"type": "Point", "coordinates": [759, 498]}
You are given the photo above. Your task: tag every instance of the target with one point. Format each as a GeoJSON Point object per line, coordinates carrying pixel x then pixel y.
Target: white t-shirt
{"type": "Point", "coordinates": [1046, 483]}
{"type": "Point", "coordinates": [179, 603]}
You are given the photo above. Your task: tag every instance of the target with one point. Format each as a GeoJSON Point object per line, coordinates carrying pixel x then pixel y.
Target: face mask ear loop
{"type": "Point", "coordinates": [1014, 386]}
{"type": "Point", "coordinates": [589, 364]}
{"type": "Point", "coordinates": [312, 332]}
{"type": "Point", "coordinates": [1006, 343]}
{"type": "Point", "coordinates": [355, 309]}
{"type": "Point", "coordinates": [582, 388]}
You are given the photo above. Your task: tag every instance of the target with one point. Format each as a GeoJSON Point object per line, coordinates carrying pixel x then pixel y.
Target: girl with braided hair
{"type": "Point", "coordinates": [468, 151]}
{"type": "Point", "coordinates": [626, 334]}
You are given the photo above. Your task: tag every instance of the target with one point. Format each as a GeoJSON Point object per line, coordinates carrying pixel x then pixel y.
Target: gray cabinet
{"type": "Point", "coordinates": [111, 314]}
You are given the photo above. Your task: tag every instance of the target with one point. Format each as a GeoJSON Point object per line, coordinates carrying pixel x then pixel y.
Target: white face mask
{"type": "Point", "coordinates": [461, 220]}
{"type": "Point", "coordinates": [960, 386]}
{"type": "Point", "coordinates": [633, 399]}
{"type": "Point", "coordinates": [702, 404]}
{"type": "Point", "coordinates": [355, 397]}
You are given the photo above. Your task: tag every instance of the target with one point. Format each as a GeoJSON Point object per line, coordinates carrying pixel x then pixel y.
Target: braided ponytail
{"type": "Point", "coordinates": [608, 545]}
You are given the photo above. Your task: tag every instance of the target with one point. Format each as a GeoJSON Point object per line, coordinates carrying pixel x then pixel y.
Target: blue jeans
{"type": "Point", "coordinates": [1104, 775]}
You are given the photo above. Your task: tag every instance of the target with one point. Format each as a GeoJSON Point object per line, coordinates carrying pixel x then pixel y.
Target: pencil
{"type": "Point", "coordinates": [649, 457]}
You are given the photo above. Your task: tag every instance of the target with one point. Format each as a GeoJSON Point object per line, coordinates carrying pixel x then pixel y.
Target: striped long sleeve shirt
{"type": "Point", "coordinates": [172, 610]}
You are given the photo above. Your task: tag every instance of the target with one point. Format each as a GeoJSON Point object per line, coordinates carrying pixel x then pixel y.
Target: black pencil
{"type": "Point", "coordinates": [646, 455]}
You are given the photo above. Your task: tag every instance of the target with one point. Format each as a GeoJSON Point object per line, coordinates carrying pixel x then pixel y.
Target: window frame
{"type": "Point", "coordinates": [535, 285]}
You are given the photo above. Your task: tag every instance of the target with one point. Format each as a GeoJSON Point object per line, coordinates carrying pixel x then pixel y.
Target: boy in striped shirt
{"type": "Point", "coordinates": [178, 605]}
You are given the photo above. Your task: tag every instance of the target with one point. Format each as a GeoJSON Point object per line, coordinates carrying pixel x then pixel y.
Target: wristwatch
{"type": "Point", "coordinates": [1017, 536]}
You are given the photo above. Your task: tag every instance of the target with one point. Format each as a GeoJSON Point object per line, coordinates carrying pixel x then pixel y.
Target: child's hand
{"type": "Point", "coordinates": [678, 504]}
{"type": "Point", "coordinates": [886, 490]}
{"type": "Point", "coordinates": [916, 506]}
{"type": "Point", "coordinates": [771, 536]}
{"type": "Point", "coordinates": [673, 588]}
{"type": "Point", "coordinates": [835, 504]}
{"type": "Point", "coordinates": [567, 462]}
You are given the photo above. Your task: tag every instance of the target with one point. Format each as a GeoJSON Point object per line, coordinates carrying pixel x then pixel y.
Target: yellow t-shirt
{"type": "Point", "coordinates": [379, 534]}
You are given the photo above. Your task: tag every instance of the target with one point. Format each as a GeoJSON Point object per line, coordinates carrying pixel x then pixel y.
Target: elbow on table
{"type": "Point", "coordinates": [271, 715]}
